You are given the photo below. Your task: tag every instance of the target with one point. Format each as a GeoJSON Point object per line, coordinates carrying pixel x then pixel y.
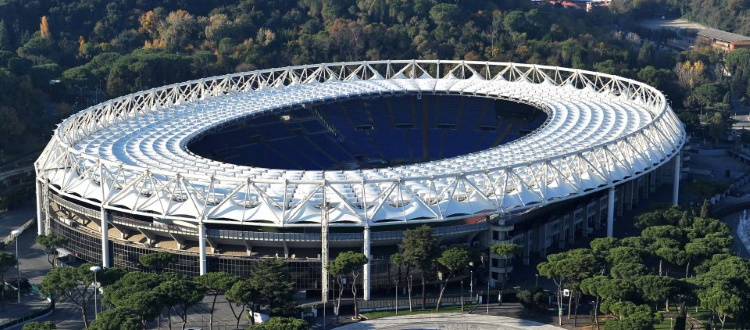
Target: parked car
{"type": "Point", "coordinates": [25, 285]}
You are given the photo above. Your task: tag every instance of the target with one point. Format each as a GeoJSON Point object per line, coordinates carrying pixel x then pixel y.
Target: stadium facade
{"type": "Point", "coordinates": [304, 162]}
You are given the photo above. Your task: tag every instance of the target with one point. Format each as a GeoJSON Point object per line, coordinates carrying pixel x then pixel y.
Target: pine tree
{"type": "Point", "coordinates": [4, 36]}
{"type": "Point", "coordinates": [705, 209]}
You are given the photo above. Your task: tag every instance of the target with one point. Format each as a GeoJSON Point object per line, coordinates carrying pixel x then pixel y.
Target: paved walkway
{"type": "Point", "coordinates": [11, 310]}
{"type": "Point", "coordinates": [448, 321]}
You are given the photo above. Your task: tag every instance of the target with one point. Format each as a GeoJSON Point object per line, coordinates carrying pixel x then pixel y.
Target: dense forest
{"type": "Point", "coordinates": [60, 56]}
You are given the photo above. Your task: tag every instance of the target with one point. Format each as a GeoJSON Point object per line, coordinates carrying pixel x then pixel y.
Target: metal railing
{"type": "Point", "coordinates": [261, 236]}
{"type": "Point", "coordinates": [384, 304]}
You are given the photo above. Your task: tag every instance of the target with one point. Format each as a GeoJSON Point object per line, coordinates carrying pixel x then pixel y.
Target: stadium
{"type": "Point", "coordinates": [305, 162]}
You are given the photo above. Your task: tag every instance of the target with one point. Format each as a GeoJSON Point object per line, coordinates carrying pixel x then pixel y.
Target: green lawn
{"type": "Point", "coordinates": [702, 315]}
{"type": "Point", "coordinates": [449, 309]}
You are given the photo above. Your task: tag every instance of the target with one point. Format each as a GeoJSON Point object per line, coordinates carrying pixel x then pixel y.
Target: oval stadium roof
{"type": "Point", "coordinates": [130, 154]}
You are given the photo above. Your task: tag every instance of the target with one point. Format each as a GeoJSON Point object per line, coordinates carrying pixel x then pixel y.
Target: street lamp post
{"type": "Point", "coordinates": [397, 287]}
{"type": "Point", "coordinates": [462, 294]}
{"type": "Point", "coordinates": [95, 269]}
{"type": "Point", "coordinates": [471, 279]}
{"type": "Point", "coordinates": [536, 282]}
{"type": "Point", "coordinates": [489, 279]}
{"type": "Point", "coordinates": [17, 233]}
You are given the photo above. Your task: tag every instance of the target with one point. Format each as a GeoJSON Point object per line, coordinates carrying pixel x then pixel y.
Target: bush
{"type": "Point", "coordinates": [534, 299]}
{"type": "Point", "coordinates": [281, 323]}
{"type": "Point", "coordinates": [46, 325]}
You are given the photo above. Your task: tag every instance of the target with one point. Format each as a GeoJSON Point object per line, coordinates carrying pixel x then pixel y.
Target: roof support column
{"type": "Point", "coordinates": [104, 225]}
{"type": "Point", "coordinates": [46, 201]}
{"type": "Point", "coordinates": [611, 212]}
{"type": "Point", "coordinates": [366, 270]}
{"type": "Point", "coordinates": [324, 248]}
{"type": "Point", "coordinates": [676, 183]}
{"type": "Point", "coordinates": [39, 208]}
{"type": "Point", "coordinates": [202, 247]}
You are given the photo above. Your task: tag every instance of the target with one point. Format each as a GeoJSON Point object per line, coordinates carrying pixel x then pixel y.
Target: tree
{"type": "Point", "coordinates": [705, 209]}
{"type": "Point", "coordinates": [570, 267]}
{"type": "Point", "coordinates": [143, 305]}
{"type": "Point", "coordinates": [118, 318]}
{"type": "Point", "coordinates": [46, 325]}
{"type": "Point", "coordinates": [157, 262]}
{"type": "Point", "coordinates": [73, 284]}
{"type": "Point", "coordinates": [7, 261]}
{"type": "Point", "coordinates": [505, 251]}
{"type": "Point", "coordinates": [51, 243]}
{"type": "Point", "coordinates": [135, 292]}
{"type": "Point", "coordinates": [645, 54]}
{"type": "Point", "coordinates": [177, 31]}
{"type": "Point", "coordinates": [4, 36]}
{"type": "Point", "coordinates": [666, 231]}
{"type": "Point", "coordinates": [515, 21]}
{"type": "Point", "coordinates": [657, 288]}
{"type": "Point", "coordinates": [108, 276]}
{"type": "Point", "coordinates": [350, 263]}
{"type": "Point", "coordinates": [419, 250]}
{"type": "Point", "coordinates": [721, 289]}
{"type": "Point", "coordinates": [703, 227]}
{"type": "Point", "coordinates": [282, 323]}
{"type": "Point", "coordinates": [624, 254]}
{"type": "Point", "coordinates": [216, 283]}
{"type": "Point", "coordinates": [655, 77]}
{"type": "Point", "coordinates": [641, 320]}
{"type": "Point", "coordinates": [607, 291]}
{"type": "Point", "coordinates": [452, 260]}
{"type": "Point", "coordinates": [709, 96]}
{"type": "Point", "coordinates": [242, 295]}
{"type": "Point", "coordinates": [674, 256]}
{"type": "Point", "coordinates": [660, 247]}
{"type": "Point", "coordinates": [270, 279]}
{"type": "Point", "coordinates": [720, 302]}
{"type": "Point", "coordinates": [398, 260]}
{"type": "Point", "coordinates": [717, 128]}
{"type": "Point", "coordinates": [603, 244]}
{"type": "Point", "coordinates": [180, 293]}
{"type": "Point", "coordinates": [592, 286]}
{"type": "Point", "coordinates": [445, 13]}
{"type": "Point", "coordinates": [649, 219]}
{"type": "Point", "coordinates": [628, 271]}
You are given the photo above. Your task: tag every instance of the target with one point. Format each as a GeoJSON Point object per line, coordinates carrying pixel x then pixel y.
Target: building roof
{"type": "Point", "coordinates": [130, 154]}
{"type": "Point", "coordinates": [722, 35]}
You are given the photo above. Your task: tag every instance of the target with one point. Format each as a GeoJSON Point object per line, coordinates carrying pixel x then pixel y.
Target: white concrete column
{"type": "Point", "coordinates": [202, 247]}
{"type": "Point", "coordinates": [676, 183]}
{"type": "Point", "coordinates": [366, 270]}
{"type": "Point", "coordinates": [39, 209]}
{"type": "Point", "coordinates": [324, 249]}
{"type": "Point", "coordinates": [611, 212]}
{"type": "Point", "coordinates": [104, 225]}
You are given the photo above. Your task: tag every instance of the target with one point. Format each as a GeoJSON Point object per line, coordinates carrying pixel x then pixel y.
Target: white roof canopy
{"type": "Point", "coordinates": [130, 153]}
